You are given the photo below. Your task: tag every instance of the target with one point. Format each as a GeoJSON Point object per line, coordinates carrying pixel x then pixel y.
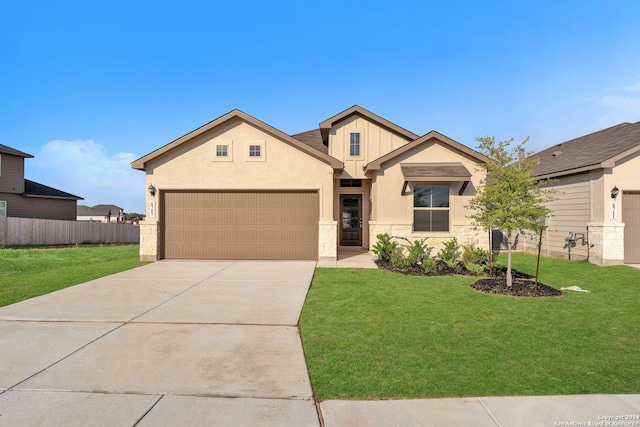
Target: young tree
{"type": "Point", "coordinates": [509, 198]}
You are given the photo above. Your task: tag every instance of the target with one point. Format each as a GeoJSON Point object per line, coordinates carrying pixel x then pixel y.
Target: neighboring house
{"type": "Point", "coordinates": [596, 211]}
{"type": "Point", "coordinates": [100, 213]}
{"type": "Point", "coordinates": [23, 198]}
{"type": "Point", "coordinates": [237, 188]}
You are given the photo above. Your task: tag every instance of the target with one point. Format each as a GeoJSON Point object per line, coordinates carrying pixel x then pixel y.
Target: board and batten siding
{"type": "Point", "coordinates": [11, 174]}
{"type": "Point", "coordinates": [570, 213]}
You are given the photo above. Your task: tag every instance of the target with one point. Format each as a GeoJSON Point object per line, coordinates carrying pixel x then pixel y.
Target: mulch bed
{"type": "Point", "coordinates": [522, 285]}
{"type": "Point", "coordinates": [519, 288]}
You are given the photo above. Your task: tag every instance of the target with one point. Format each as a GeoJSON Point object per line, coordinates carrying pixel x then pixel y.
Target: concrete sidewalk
{"type": "Point", "coordinates": [543, 411]}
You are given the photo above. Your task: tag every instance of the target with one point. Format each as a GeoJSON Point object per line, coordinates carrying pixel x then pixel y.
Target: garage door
{"type": "Point", "coordinates": [631, 219]}
{"type": "Point", "coordinates": [239, 225]}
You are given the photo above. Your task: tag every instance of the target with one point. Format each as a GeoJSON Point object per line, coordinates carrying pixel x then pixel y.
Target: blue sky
{"type": "Point", "coordinates": [88, 87]}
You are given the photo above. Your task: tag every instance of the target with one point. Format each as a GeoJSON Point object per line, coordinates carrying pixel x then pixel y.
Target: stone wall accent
{"type": "Point", "coordinates": [608, 243]}
{"type": "Point", "coordinates": [464, 233]}
{"type": "Point", "coordinates": [328, 240]}
{"type": "Point", "coordinates": [149, 240]}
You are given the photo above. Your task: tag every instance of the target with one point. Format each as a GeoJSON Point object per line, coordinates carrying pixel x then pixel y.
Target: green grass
{"type": "Point", "coordinates": [371, 334]}
{"type": "Point", "coordinates": [28, 272]}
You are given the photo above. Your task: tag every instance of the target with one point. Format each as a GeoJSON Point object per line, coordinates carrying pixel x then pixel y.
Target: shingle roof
{"type": "Point", "coordinates": [313, 138]}
{"type": "Point", "coordinates": [8, 150]}
{"type": "Point", "coordinates": [98, 210]}
{"type": "Point", "coordinates": [35, 189]}
{"type": "Point", "coordinates": [431, 171]}
{"type": "Point", "coordinates": [588, 152]}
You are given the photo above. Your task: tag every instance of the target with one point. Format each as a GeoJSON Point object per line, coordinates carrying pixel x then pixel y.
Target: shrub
{"type": "Point", "coordinates": [450, 253]}
{"type": "Point", "coordinates": [475, 269]}
{"type": "Point", "coordinates": [429, 264]}
{"type": "Point", "coordinates": [398, 260]}
{"type": "Point", "coordinates": [384, 247]}
{"type": "Point", "coordinates": [417, 250]}
{"type": "Point", "coordinates": [474, 255]}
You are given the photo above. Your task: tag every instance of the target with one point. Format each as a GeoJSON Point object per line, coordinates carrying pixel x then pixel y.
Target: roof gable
{"type": "Point", "coordinates": [326, 125]}
{"type": "Point", "coordinates": [8, 150]}
{"type": "Point", "coordinates": [597, 150]}
{"type": "Point", "coordinates": [377, 164]}
{"type": "Point", "coordinates": [141, 162]}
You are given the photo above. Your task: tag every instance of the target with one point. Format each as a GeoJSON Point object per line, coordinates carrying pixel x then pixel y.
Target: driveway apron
{"type": "Point", "coordinates": [169, 343]}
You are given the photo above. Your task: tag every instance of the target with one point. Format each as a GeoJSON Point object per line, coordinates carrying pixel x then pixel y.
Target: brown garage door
{"type": "Point", "coordinates": [631, 219]}
{"type": "Point", "coordinates": [239, 225]}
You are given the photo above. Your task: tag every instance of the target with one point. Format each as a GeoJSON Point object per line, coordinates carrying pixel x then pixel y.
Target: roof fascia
{"type": "Point", "coordinates": [377, 164]}
{"type": "Point", "coordinates": [141, 163]}
{"type": "Point", "coordinates": [570, 171]}
{"type": "Point", "coordinates": [326, 125]}
{"type": "Point", "coordinates": [611, 162]}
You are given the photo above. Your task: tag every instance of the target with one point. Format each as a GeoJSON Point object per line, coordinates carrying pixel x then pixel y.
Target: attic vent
{"type": "Point", "coordinates": [556, 153]}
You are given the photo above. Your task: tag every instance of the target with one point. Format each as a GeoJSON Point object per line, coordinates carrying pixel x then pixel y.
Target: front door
{"type": "Point", "coordinates": [351, 227]}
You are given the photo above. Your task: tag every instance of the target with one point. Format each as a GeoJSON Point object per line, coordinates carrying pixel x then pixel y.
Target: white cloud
{"type": "Point", "coordinates": [86, 169]}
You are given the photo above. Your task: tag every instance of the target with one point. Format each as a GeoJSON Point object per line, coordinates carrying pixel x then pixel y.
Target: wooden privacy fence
{"type": "Point", "coordinates": [29, 231]}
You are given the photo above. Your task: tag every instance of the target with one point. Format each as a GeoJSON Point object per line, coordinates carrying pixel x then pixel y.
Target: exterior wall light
{"type": "Point", "coordinates": [152, 190]}
{"type": "Point", "coordinates": [614, 192]}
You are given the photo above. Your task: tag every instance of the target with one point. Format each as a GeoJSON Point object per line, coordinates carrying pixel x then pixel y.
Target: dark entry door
{"type": "Point", "coordinates": [351, 227]}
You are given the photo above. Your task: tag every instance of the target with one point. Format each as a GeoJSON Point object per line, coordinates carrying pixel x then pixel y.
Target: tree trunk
{"type": "Point", "coordinates": [509, 277]}
{"type": "Point", "coordinates": [490, 254]}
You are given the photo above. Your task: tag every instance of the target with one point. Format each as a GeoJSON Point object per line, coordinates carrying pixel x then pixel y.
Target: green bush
{"type": "Point", "coordinates": [429, 264]}
{"type": "Point", "coordinates": [471, 254]}
{"type": "Point", "coordinates": [417, 250]}
{"type": "Point", "coordinates": [384, 247]}
{"type": "Point", "coordinates": [399, 260]}
{"type": "Point", "coordinates": [475, 269]}
{"type": "Point", "coordinates": [450, 253]}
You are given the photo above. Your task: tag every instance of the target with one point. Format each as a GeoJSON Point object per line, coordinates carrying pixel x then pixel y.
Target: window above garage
{"type": "Point", "coordinates": [223, 151]}
{"type": "Point", "coordinates": [255, 151]}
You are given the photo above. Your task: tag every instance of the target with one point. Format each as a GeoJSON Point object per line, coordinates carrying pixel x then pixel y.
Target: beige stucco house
{"type": "Point", "coordinates": [596, 211]}
{"type": "Point", "coordinates": [238, 188]}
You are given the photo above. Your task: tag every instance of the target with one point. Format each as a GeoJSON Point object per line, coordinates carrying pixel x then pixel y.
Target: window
{"type": "Point", "coordinates": [430, 208]}
{"type": "Point", "coordinates": [222, 150]}
{"type": "Point", "coordinates": [350, 183]}
{"type": "Point", "coordinates": [3, 208]}
{"type": "Point", "coordinates": [354, 145]}
{"type": "Point", "coordinates": [255, 151]}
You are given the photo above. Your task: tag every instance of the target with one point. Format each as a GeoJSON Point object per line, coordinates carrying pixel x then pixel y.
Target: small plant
{"type": "Point", "coordinates": [471, 254]}
{"type": "Point", "coordinates": [475, 269]}
{"type": "Point", "coordinates": [429, 264]}
{"type": "Point", "coordinates": [399, 260]}
{"type": "Point", "coordinates": [417, 250]}
{"type": "Point", "coordinates": [450, 253]}
{"type": "Point", "coordinates": [384, 247]}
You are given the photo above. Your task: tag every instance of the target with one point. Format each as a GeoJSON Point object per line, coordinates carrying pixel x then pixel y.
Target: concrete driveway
{"type": "Point", "coordinates": [170, 343]}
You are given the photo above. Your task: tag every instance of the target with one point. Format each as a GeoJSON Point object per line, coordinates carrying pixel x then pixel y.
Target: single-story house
{"type": "Point", "coordinates": [238, 188]}
{"type": "Point", "coordinates": [100, 213]}
{"type": "Point", "coordinates": [596, 211]}
{"type": "Point", "coordinates": [24, 198]}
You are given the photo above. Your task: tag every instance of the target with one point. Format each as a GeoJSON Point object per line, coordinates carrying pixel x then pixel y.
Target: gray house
{"type": "Point", "coordinates": [23, 198]}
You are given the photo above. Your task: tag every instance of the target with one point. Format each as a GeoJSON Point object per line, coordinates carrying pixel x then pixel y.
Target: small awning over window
{"type": "Point", "coordinates": [431, 172]}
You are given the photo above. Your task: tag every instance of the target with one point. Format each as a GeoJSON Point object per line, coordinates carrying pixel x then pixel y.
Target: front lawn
{"type": "Point", "coordinates": [27, 272]}
{"type": "Point", "coordinates": [371, 334]}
